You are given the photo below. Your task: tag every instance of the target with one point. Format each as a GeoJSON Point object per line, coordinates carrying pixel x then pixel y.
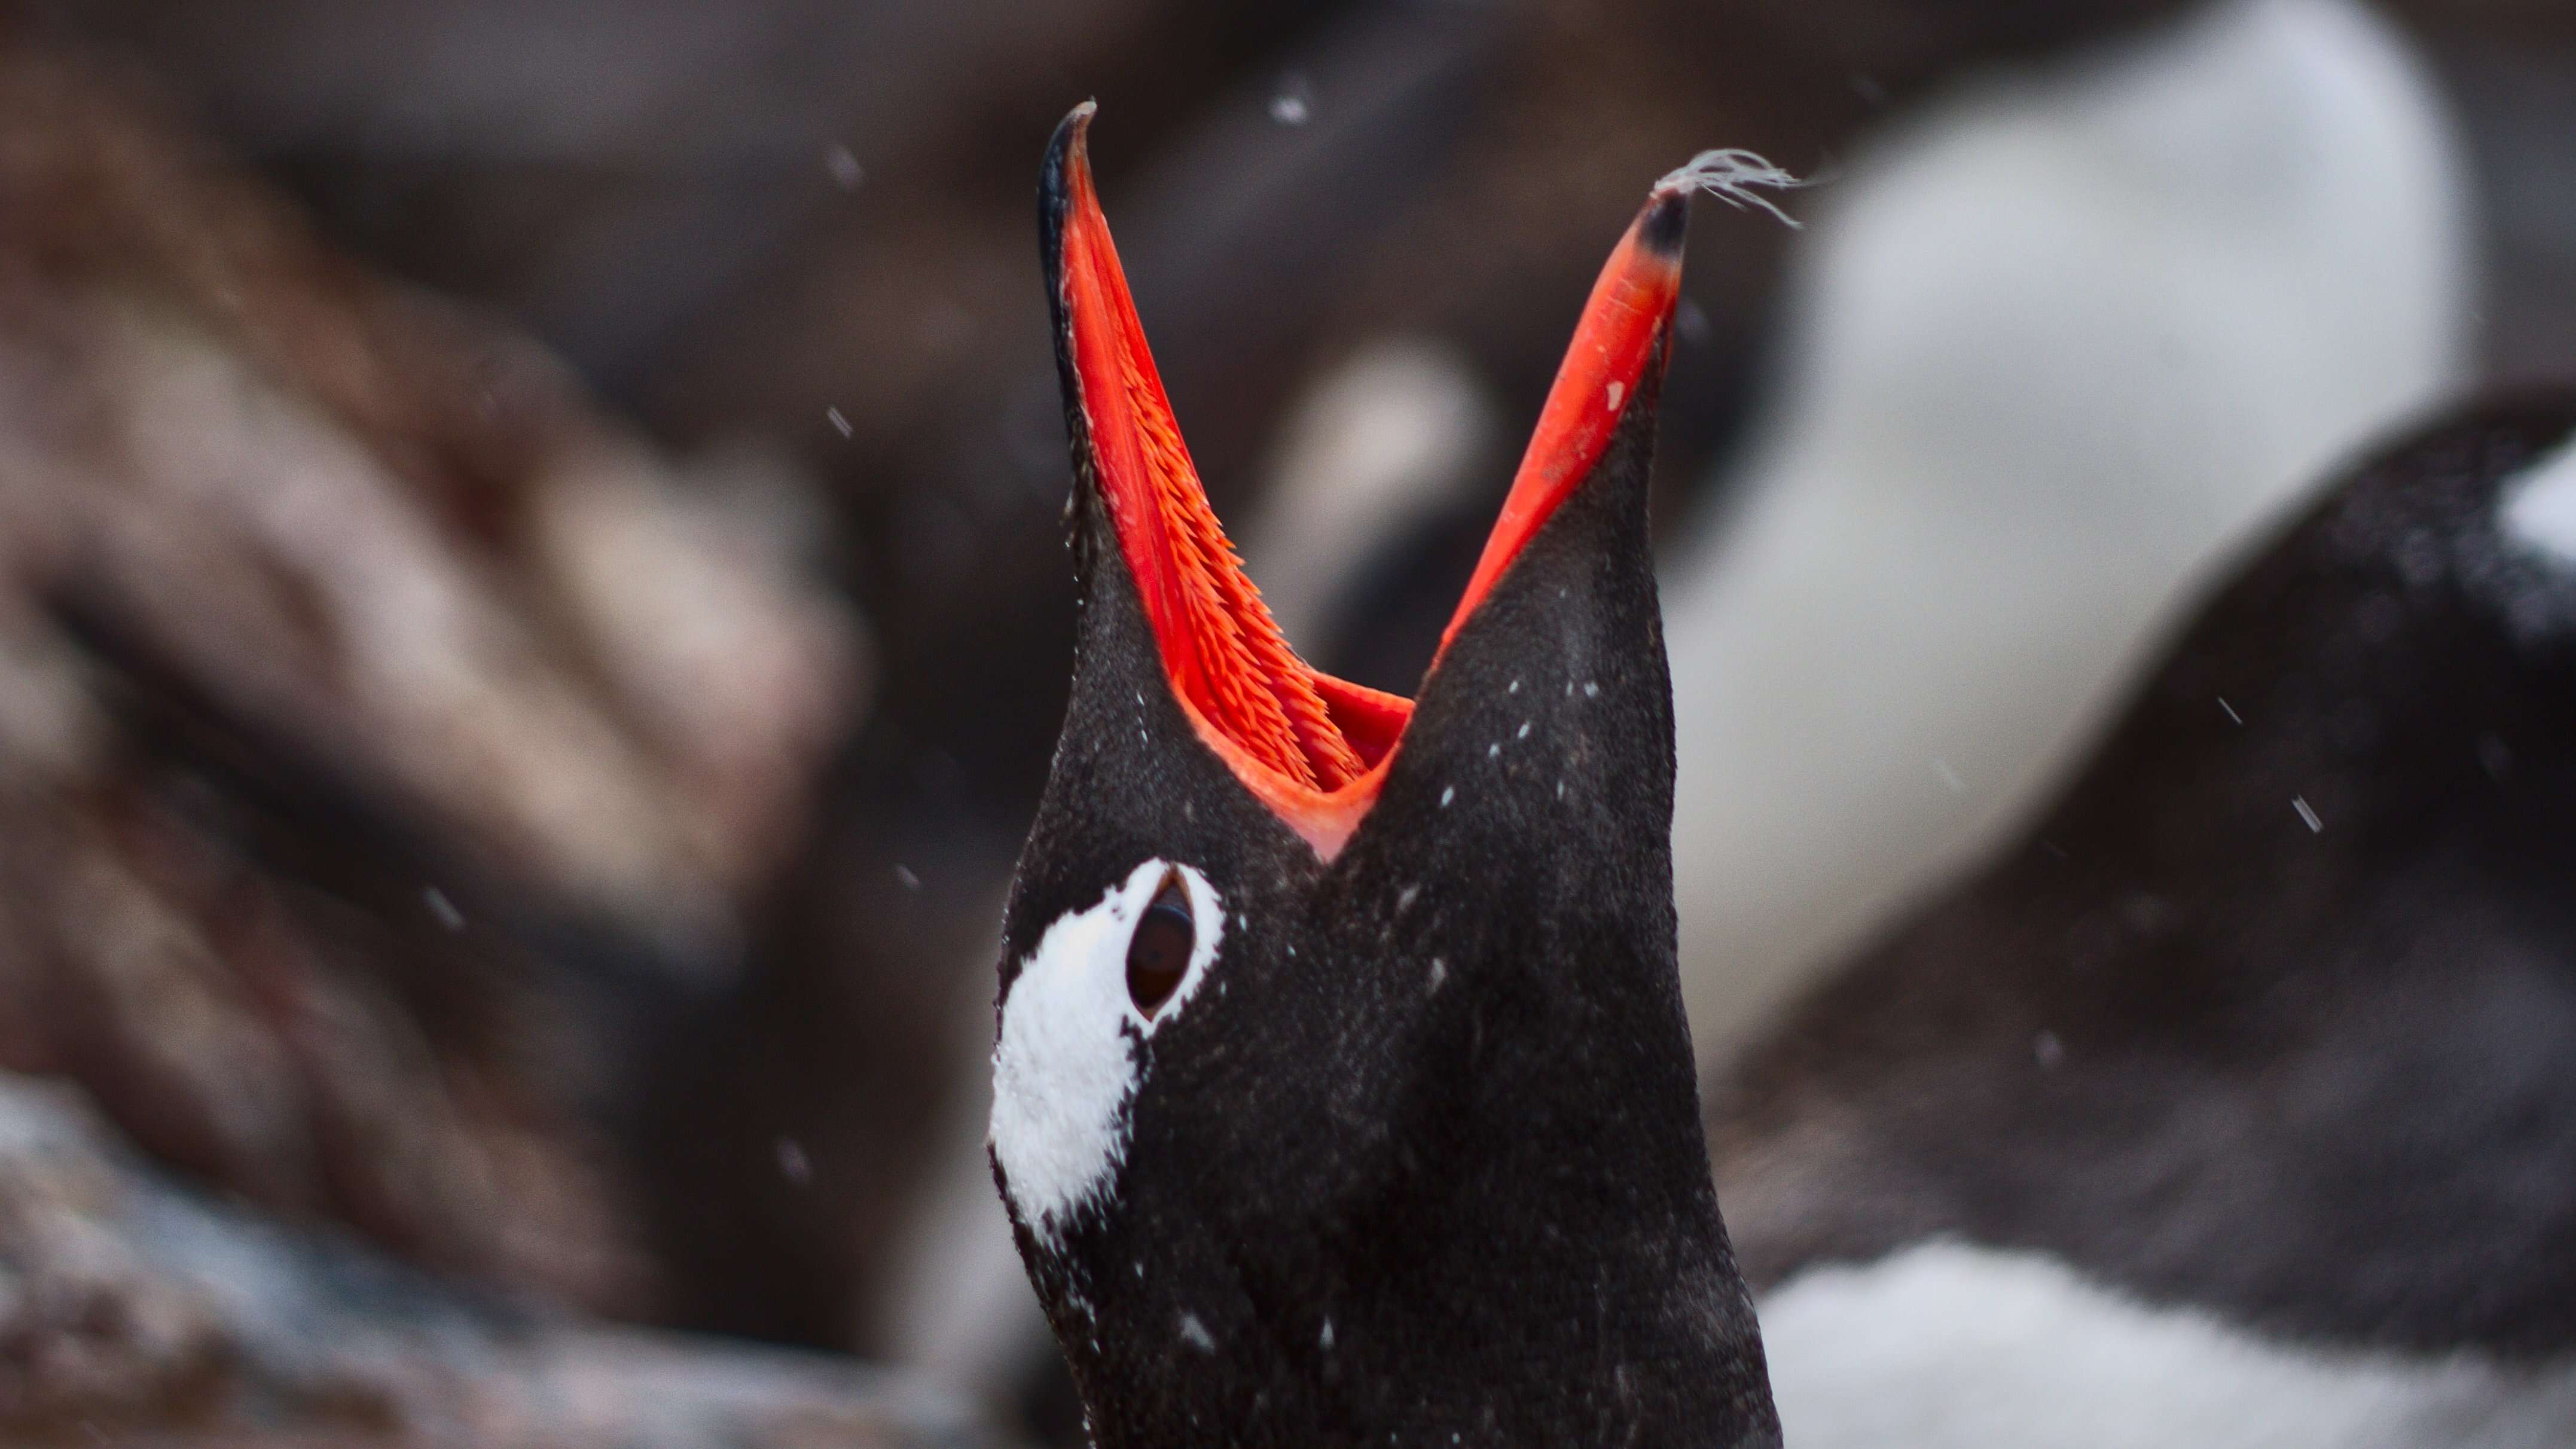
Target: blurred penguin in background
{"type": "Point", "coordinates": [2052, 345]}
{"type": "Point", "coordinates": [2052, 350]}
{"type": "Point", "coordinates": [2233, 1103]}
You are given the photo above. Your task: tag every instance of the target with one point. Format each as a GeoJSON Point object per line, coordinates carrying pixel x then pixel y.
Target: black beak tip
{"type": "Point", "coordinates": [1055, 185]}
{"type": "Point", "coordinates": [1666, 223]}
{"type": "Point", "coordinates": [1055, 181]}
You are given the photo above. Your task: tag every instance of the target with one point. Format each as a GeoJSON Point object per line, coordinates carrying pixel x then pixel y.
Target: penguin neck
{"type": "Point", "coordinates": [1523, 1270]}
{"type": "Point", "coordinates": [1521, 1242]}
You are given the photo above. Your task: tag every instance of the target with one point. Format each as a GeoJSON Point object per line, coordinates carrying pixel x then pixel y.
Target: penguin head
{"type": "Point", "coordinates": [1342, 1087]}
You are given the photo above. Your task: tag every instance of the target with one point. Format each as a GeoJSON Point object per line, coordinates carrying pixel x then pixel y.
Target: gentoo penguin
{"type": "Point", "coordinates": [2201, 260]}
{"type": "Point", "coordinates": [2052, 346]}
{"type": "Point", "coordinates": [1342, 1093]}
{"type": "Point", "coordinates": [2236, 1104]}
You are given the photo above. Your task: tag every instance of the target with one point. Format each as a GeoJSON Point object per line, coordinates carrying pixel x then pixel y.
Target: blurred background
{"type": "Point", "coordinates": [533, 612]}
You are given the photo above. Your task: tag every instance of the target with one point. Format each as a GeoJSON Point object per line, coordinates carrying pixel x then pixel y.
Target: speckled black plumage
{"type": "Point", "coordinates": [1438, 1093]}
{"type": "Point", "coordinates": [2320, 1080]}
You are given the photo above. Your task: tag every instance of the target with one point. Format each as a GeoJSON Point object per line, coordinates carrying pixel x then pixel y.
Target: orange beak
{"type": "Point", "coordinates": [1313, 748]}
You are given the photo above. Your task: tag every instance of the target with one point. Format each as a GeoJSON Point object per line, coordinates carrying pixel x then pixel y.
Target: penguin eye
{"type": "Point", "coordinates": [1159, 952]}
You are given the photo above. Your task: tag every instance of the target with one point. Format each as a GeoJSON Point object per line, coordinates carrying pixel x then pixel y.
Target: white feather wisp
{"type": "Point", "coordinates": [1732, 176]}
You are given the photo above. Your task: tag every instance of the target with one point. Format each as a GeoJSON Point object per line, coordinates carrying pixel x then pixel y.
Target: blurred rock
{"type": "Point", "coordinates": [133, 1312]}
{"type": "Point", "coordinates": [385, 737]}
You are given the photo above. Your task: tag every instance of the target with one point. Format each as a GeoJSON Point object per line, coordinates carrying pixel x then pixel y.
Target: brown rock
{"type": "Point", "coordinates": [380, 726]}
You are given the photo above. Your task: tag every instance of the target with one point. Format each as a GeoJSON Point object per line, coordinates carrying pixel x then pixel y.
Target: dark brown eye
{"type": "Point", "coordinates": [1159, 952]}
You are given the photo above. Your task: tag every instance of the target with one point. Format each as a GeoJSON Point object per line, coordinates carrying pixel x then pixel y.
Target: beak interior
{"type": "Point", "coordinates": [1313, 748]}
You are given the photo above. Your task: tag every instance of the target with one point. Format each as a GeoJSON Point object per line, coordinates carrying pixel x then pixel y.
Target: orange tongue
{"type": "Point", "coordinates": [1225, 654]}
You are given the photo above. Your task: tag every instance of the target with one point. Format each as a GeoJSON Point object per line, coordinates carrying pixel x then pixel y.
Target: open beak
{"type": "Point", "coordinates": [1313, 748]}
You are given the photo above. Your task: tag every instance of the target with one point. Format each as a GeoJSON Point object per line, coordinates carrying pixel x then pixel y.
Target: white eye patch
{"type": "Point", "coordinates": [1066, 1063]}
{"type": "Point", "coordinates": [2540, 508]}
